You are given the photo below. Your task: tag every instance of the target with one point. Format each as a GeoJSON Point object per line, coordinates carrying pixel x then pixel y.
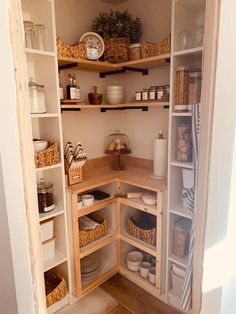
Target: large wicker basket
{"type": "Point", "coordinates": [116, 50]}
{"type": "Point", "coordinates": [55, 287]}
{"type": "Point", "coordinates": [146, 235]}
{"type": "Point", "coordinates": [156, 49]}
{"type": "Point", "coordinates": [48, 157]}
{"type": "Point", "coordinates": [86, 237]}
{"type": "Point", "coordinates": [77, 51]}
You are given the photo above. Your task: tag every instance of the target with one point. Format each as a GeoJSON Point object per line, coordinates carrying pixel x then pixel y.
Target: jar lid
{"type": "Point", "coordinates": [183, 223]}
{"type": "Point", "coordinates": [43, 186]}
{"type": "Point", "coordinates": [32, 83]}
{"type": "Point", "coordinates": [182, 68]}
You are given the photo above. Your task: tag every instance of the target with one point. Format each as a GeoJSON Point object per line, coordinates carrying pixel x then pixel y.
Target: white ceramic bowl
{"type": "Point", "coordinates": [132, 267]}
{"type": "Point", "coordinates": [134, 258]}
{"type": "Point", "coordinates": [39, 146]}
{"type": "Point", "coordinates": [115, 88]}
{"type": "Point", "coordinates": [115, 99]}
{"type": "Point", "coordinates": [114, 93]}
{"type": "Point", "coordinates": [87, 200]}
{"type": "Point", "coordinates": [149, 199]}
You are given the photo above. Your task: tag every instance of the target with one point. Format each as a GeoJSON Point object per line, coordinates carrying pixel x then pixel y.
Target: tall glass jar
{"type": "Point", "coordinates": [29, 34]}
{"type": "Point", "coordinates": [41, 37]}
{"type": "Point", "coordinates": [45, 196]}
{"type": "Point", "coordinates": [184, 142]}
{"type": "Point", "coordinates": [181, 85]}
{"type": "Point", "coordinates": [195, 80]}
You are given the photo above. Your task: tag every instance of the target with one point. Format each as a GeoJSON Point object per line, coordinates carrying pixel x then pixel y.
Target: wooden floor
{"type": "Point", "coordinates": [135, 299]}
{"type": "Point", "coordinates": [119, 310]}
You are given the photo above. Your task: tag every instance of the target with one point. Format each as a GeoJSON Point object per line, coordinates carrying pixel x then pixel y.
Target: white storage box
{"type": "Point", "coordinates": [188, 179]}
{"type": "Point", "coordinates": [177, 284]}
{"type": "Point", "coordinates": [46, 228]}
{"type": "Point", "coordinates": [49, 249]}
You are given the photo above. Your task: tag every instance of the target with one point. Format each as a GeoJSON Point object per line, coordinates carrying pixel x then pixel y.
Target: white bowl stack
{"type": "Point", "coordinates": [115, 94]}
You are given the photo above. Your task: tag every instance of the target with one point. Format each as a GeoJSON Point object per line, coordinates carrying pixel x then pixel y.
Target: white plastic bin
{"type": "Point", "coordinates": [177, 284]}
{"type": "Point", "coordinates": [46, 228]}
{"type": "Point", "coordinates": [188, 179]}
{"type": "Point", "coordinates": [49, 249]}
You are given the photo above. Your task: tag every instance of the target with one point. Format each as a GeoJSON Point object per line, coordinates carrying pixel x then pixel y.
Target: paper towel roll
{"type": "Point", "coordinates": [160, 157]}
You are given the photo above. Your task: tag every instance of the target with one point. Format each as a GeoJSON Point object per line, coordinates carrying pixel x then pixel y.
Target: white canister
{"type": "Point", "coordinates": [144, 269]}
{"type": "Point", "coordinates": [37, 97]}
{"type": "Point", "coordinates": [152, 275]}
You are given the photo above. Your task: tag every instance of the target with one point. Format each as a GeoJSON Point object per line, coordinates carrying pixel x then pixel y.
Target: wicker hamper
{"type": "Point", "coordinates": [86, 237]}
{"type": "Point", "coordinates": [48, 157]}
{"type": "Point", "coordinates": [55, 287]}
{"type": "Point", "coordinates": [136, 229]}
{"type": "Point", "coordinates": [116, 50]}
{"type": "Point", "coordinates": [77, 51]}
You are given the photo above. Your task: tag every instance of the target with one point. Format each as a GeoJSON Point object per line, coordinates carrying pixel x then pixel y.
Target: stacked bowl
{"type": "Point", "coordinates": [115, 94]}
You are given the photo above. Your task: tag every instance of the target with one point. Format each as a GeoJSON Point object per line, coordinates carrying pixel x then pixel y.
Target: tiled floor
{"type": "Point", "coordinates": [96, 302]}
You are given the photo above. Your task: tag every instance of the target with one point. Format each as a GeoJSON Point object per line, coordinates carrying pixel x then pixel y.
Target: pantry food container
{"type": "Point", "coordinates": [181, 85]}
{"type": "Point", "coordinates": [188, 178]}
{"type": "Point", "coordinates": [49, 249]}
{"type": "Point", "coordinates": [46, 229]}
{"type": "Point", "coordinates": [194, 92]}
{"type": "Point", "coordinates": [181, 237]}
{"type": "Point", "coordinates": [184, 142]}
{"type": "Point", "coordinates": [45, 193]}
{"type": "Point", "coordinates": [37, 97]}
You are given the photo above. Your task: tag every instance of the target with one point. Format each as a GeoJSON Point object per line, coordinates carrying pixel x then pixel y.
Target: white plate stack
{"type": "Point", "coordinates": [115, 94]}
{"type": "Point", "coordinates": [90, 267]}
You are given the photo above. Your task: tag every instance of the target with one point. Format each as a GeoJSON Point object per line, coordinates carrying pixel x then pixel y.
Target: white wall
{"type": "Point", "coordinates": [16, 253]}
{"type": "Point", "coordinates": [73, 18]}
{"type": "Point", "coordinates": [219, 277]}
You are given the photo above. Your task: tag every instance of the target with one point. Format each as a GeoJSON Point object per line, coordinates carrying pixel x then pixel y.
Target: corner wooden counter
{"type": "Point", "coordinates": [113, 247]}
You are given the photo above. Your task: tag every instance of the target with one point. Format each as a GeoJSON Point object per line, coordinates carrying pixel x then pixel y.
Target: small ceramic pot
{"type": "Point", "coordinates": [152, 275]}
{"type": "Point", "coordinates": [144, 269]}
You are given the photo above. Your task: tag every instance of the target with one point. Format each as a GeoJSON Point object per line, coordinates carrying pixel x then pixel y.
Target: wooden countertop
{"type": "Point", "coordinates": [104, 175]}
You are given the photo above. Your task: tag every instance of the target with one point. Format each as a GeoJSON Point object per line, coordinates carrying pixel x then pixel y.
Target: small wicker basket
{"type": "Point", "coordinates": [55, 286]}
{"type": "Point", "coordinates": [77, 51]}
{"type": "Point", "coordinates": [86, 237]}
{"type": "Point", "coordinates": [116, 50]}
{"type": "Point", "coordinates": [156, 49]}
{"type": "Point", "coordinates": [47, 157]}
{"type": "Point", "coordinates": [148, 236]}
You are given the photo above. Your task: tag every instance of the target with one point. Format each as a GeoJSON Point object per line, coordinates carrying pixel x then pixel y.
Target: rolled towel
{"type": "Point", "coordinates": [86, 224]}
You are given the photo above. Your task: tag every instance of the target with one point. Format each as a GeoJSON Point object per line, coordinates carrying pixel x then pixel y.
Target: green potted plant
{"type": "Point", "coordinates": [118, 30]}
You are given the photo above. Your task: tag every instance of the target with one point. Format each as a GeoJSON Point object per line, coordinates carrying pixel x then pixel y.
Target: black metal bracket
{"type": "Point", "coordinates": [123, 70]}
{"type": "Point", "coordinates": [143, 108]}
{"type": "Point", "coordinates": [70, 109]}
{"type": "Point", "coordinates": [68, 66]}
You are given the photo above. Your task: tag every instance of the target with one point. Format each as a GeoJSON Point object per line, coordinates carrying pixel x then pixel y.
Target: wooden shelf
{"type": "Point", "coordinates": [44, 115]}
{"type": "Point", "coordinates": [181, 114]}
{"type": "Point", "coordinates": [48, 167]}
{"type": "Point", "coordinates": [58, 259]}
{"type": "Point", "coordinates": [182, 164]}
{"type": "Point", "coordinates": [178, 260]}
{"type": "Point", "coordinates": [189, 52]}
{"type": "Point", "coordinates": [96, 206]}
{"type": "Point", "coordinates": [139, 204]}
{"type": "Point", "coordinates": [96, 245]}
{"type": "Point", "coordinates": [180, 211]}
{"type": "Point", "coordinates": [101, 66]}
{"type": "Point", "coordinates": [55, 212]}
{"type": "Point", "coordinates": [39, 52]}
{"type": "Point", "coordinates": [150, 249]}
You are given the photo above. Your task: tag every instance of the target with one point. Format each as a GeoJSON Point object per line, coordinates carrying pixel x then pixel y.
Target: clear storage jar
{"type": "Point", "coordinates": [41, 37]}
{"type": "Point", "coordinates": [181, 85]}
{"type": "Point", "coordinates": [29, 35]}
{"type": "Point", "coordinates": [37, 97]}
{"type": "Point", "coordinates": [181, 237]}
{"type": "Point", "coordinates": [194, 93]}
{"type": "Point", "coordinates": [184, 142]}
{"type": "Point", "coordinates": [45, 193]}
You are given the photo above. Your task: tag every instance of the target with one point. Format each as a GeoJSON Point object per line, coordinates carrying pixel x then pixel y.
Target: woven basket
{"type": "Point", "coordinates": [156, 49]}
{"type": "Point", "coordinates": [55, 287]}
{"type": "Point", "coordinates": [148, 236]}
{"type": "Point", "coordinates": [47, 157]}
{"type": "Point", "coordinates": [77, 51]}
{"type": "Point", "coordinates": [116, 50]}
{"type": "Point", "coordinates": [86, 237]}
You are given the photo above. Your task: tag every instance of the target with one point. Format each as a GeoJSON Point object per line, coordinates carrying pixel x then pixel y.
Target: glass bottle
{"type": "Point", "coordinates": [29, 35]}
{"type": "Point", "coordinates": [71, 88]}
{"type": "Point", "coordinates": [41, 37]}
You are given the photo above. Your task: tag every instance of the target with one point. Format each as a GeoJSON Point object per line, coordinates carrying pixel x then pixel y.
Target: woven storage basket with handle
{"type": "Point", "coordinates": [47, 157]}
{"type": "Point", "coordinates": [116, 50]}
{"type": "Point", "coordinates": [55, 287]}
{"type": "Point", "coordinates": [86, 237]}
{"type": "Point", "coordinates": [156, 49]}
{"type": "Point", "coordinates": [146, 235]}
{"type": "Point", "coordinates": [77, 51]}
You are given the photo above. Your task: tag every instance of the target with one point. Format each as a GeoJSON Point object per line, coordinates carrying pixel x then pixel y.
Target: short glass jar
{"type": "Point", "coordinates": [45, 193]}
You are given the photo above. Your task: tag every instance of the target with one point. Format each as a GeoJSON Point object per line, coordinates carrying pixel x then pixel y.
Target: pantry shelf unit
{"type": "Point", "coordinates": [55, 212]}
{"type": "Point", "coordinates": [96, 206]}
{"type": "Point", "coordinates": [181, 211]}
{"type": "Point", "coordinates": [150, 249]}
{"type": "Point", "coordinates": [39, 52]}
{"type": "Point", "coordinates": [44, 115]}
{"type": "Point", "coordinates": [58, 259]}
{"type": "Point", "coordinates": [48, 167]}
{"type": "Point", "coordinates": [105, 68]}
{"type": "Point", "coordinates": [189, 52]}
{"type": "Point", "coordinates": [181, 114]}
{"type": "Point", "coordinates": [139, 204]}
{"type": "Point", "coordinates": [182, 164]}
{"type": "Point", "coordinates": [181, 261]}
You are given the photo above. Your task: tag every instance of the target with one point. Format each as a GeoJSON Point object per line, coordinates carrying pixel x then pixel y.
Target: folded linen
{"type": "Point", "coordinates": [86, 224]}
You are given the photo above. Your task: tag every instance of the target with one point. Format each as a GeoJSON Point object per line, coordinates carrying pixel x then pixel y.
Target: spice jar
{"type": "Point", "coordinates": [45, 196]}
{"type": "Point", "coordinates": [181, 86]}
{"type": "Point", "coordinates": [145, 94]}
{"type": "Point", "coordinates": [160, 93]}
{"type": "Point", "coordinates": [194, 92]}
{"type": "Point", "coordinates": [181, 237]}
{"type": "Point", "coordinates": [184, 142]}
{"type": "Point", "coordinates": [152, 93]}
{"type": "Point", "coordinates": [138, 96]}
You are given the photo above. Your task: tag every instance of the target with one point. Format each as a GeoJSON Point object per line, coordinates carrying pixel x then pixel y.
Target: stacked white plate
{"type": "Point", "coordinates": [90, 267]}
{"type": "Point", "coordinates": [115, 94]}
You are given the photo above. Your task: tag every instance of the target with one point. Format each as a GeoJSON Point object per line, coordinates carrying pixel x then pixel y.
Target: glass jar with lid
{"type": "Point", "coordinates": [181, 86]}
{"type": "Point", "coordinates": [29, 35]}
{"type": "Point", "coordinates": [37, 97]}
{"type": "Point", "coordinates": [182, 229]}
{"type": "Point", "coordinates": [184, 142]}
{"type": "Point", "coordinates": [152, 93]}
{"type": "Point", "coordinates": [195, 81]}
{"type": "Point", "coordinates": [145, 94]}
{"type": "Point", "coordinates": [45, 193]}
